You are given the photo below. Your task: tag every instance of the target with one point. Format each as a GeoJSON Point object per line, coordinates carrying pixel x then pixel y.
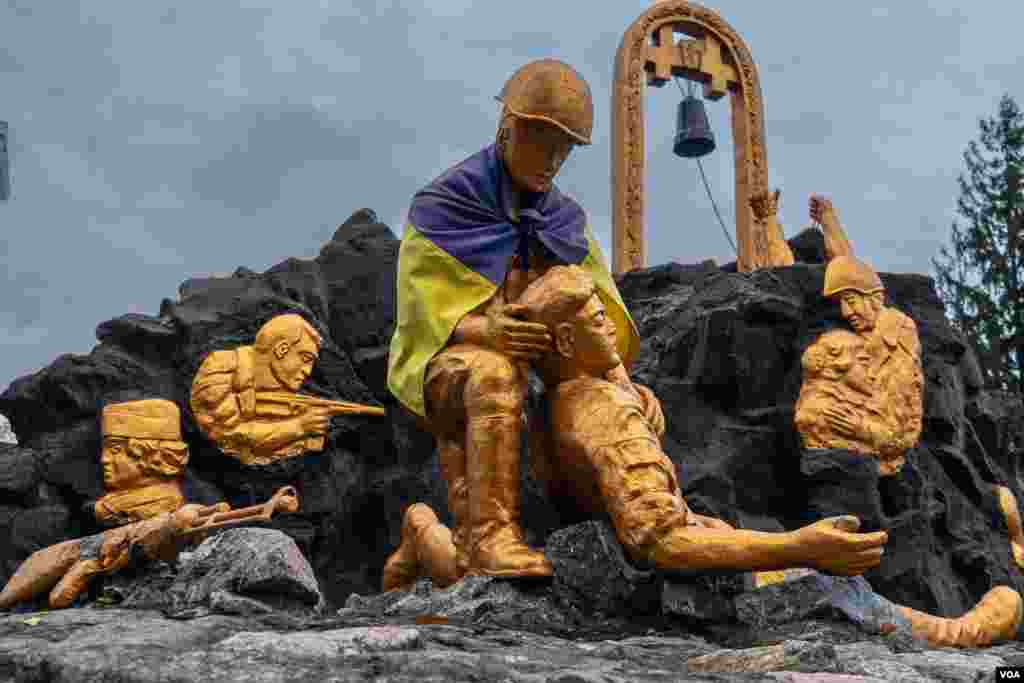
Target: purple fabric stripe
{"type": "Point", "coordinates": [467, 211]}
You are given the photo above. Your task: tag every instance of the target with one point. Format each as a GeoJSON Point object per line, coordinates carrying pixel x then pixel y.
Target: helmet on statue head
{"type": "Point", "coordinates": [551, 91]}
{"type": "Point", "coordinates": [846, 272]}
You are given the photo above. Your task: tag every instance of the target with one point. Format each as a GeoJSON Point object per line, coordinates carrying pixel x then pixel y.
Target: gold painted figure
{"type": "Point", "coordinates": [427, 549]}
{"type": "Point", "coordinates": [143, 459]}
{"type": "Point", "coordinates": [66, 569]}
{"type": "Point", "coordinates": [246, 399]}
{"type": "Point", "coordinates": [875, 405]}
{"type": "Point", "coordinates": [836, 385]}
{"type": "Point", "coordinates": [1011, 513]}
{"type": "Point", "coordinates": [476, 237]}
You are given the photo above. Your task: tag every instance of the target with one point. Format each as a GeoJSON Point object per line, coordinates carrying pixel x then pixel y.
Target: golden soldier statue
{"type": "Point", "coordinates": [246, 399]}
{"type": "Point", "coordinates": [66, 569]}
{"type": "Point", "coordinates": [885, 420]}
{"type": "Point", "coordinates": [476, 237]}
{"type": "Point", "coordinates": [143, 459]}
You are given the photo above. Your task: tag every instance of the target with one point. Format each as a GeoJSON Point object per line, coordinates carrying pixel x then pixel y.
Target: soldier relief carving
{"type": "Point", "coordinates": [862, 387]}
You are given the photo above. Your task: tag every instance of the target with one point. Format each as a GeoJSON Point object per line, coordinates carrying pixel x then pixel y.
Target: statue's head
{"type": "Point", "coordinates": [141, 442]}
{"type": "Point", "coordinates": [859, 290]}
{"type": "Point", "coordinates": [289, 346]}
{"type": "Point", "coordinates": [565, 299]}
{"type": "Point", "coordinates": [547, 110]}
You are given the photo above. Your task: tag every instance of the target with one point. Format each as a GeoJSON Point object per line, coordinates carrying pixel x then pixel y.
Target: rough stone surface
{"type": "Point", "coordinates": [7, 435]}
{"type": "Point", "coordinates": [793, 655]}
{"type": "Point", "coordinates": [261, 563]}
{"type": "Point", "coordinates": [810, 594]}
{"type": "Point", "coordinates": [593, 574]}
{"type": "Point", "coordinates": [142, 646]}
{"type": "Point", "coordinates": [842, 482]}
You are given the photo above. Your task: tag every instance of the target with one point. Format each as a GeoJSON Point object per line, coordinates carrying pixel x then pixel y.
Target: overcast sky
{"type": "Point", "coordinates": [153, 142]}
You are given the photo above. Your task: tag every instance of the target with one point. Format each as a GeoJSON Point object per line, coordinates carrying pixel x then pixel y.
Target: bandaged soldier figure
{"type": "Point", "coordinates": [476, 237]}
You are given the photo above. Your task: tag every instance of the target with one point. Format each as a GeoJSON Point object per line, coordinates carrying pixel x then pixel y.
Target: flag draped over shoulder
{"type": "Point", "coordinates": [462, 232]}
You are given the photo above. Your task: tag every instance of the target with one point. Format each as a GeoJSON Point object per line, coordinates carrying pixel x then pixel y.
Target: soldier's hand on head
{"type": "Point", "coordinates": [315, 421]}
{"type": "Point", "coordinates": [506, 331]}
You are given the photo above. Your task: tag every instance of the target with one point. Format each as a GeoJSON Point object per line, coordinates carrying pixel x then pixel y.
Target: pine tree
{"type": "Point", "coordinates": [979, 276]}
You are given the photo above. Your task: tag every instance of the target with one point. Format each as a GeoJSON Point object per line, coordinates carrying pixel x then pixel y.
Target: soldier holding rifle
{"type": "Point", "coordinates": [66, 569]}
{"type": "Point", "coordinates": [245, 399]}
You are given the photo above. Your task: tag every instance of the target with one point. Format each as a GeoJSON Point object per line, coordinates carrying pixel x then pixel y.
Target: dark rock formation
{"type": "Point", "coordinates": [720, 349]}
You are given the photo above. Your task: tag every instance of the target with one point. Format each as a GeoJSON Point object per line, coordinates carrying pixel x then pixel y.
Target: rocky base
{"type": "Point", "coordinates": [142, 646]}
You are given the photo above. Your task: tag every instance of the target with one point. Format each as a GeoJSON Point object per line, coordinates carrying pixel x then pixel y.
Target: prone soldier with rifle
{"type": "Point", "coordinates": [67, 568]}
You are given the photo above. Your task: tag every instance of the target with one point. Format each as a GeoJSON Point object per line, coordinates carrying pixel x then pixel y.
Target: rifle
{"type": "Point", "coordinates": [216, 516]}
{"type": "Point", "coordinates": [66, 569]}
{"type": "Point", "coordinates": [285, 404]}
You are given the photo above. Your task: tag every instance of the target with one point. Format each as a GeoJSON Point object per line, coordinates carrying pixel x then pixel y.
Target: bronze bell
{"type": "Point", "coordinates": [694, 137]}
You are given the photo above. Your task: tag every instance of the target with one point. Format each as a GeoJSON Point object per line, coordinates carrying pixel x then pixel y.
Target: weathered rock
{"type": "Point", "coordinates": [141, 646]}
{"type": "Point", "coordinates": [593, 574]}
{"type": "Point", "coordinates": [793, 655]}
{"type": "Point", "coordinates": [474, 599]}
{"type": "Point", "coordinates": [7, 435]}
{"type": "Point", "coordinates": [20, 471]}
{"type": "Point", "coordinates": [257, 563]}
{"type": "Point", "coordinates": [842, 482]}
{"type": "Point", "coordinates": [805, 594]}
{"type": "Point", "coordinates": [705, 598]}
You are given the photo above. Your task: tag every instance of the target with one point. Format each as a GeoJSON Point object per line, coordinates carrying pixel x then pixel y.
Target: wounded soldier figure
{"type": "Point", "coordinates": [606, 458]}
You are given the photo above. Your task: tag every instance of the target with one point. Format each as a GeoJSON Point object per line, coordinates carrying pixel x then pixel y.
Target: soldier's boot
{"type": "Point", "coordinates": [452, 458]}
{"type": "Point", "coordinates": [40, 572]}
{"type": "Point", "coordinates": [995, 618]}
{"type": "Point", "coordinates": [496, 544]}
{"type": "Point", "coordinates": [425, 548]}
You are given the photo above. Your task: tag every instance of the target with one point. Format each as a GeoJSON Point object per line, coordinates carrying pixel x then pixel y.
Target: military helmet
{"type": "Point", "coordinates": [846, 272]}
{"type": "Point", "coordinates": [551, 91]}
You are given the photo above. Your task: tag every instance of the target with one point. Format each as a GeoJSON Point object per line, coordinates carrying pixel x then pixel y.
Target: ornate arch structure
{"type": "Point", "coordinates": [718, 58]}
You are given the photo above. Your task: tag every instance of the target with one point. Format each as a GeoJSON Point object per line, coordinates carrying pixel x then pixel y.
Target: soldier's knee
{"type": "Point", "coordinates": [496, 385]}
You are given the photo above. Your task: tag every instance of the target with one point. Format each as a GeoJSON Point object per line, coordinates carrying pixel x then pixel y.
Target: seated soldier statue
{"type": "Point", "coordinates": [143, 459]}
{"type": "Point", "coordinates": [246, 399]}
{"type": "Point", "coordinates": [607, 459]}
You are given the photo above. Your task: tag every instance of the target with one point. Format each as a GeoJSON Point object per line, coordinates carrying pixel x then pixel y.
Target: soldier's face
{"type": "Point", "coordinates": [594, 339]}
{"type": "Point", "coordinates": [295, 365]}
{"type": "Point", "coordinates": [120, 469]}
{"type": "Point", "coordinates": [534, 153]}
{"type": "Point", "coordinates": [860, 310]}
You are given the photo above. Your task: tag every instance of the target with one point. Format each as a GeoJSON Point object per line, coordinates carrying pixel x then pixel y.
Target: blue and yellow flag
{"type": "Point", "coordinates": [463, 230]}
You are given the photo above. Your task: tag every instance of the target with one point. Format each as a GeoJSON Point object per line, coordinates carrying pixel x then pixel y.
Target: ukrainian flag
{"type": "Point", "coordinates": [454, 255]}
